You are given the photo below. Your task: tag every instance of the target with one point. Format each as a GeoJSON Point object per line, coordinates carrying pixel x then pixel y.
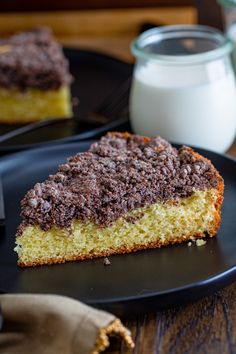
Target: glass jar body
{"type": "Point", "coordinates": [192, 104]}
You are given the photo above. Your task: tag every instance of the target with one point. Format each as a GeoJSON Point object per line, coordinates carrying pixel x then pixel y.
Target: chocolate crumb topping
{"type": "Point", "coordinates": [117, 174]}
{"type": "Point", "coordinates": [33, 60]}
{"type": "Point", "coordinates": [132, 219]}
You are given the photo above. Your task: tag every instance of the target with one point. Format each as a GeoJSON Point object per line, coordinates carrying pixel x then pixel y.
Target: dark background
{"type": "Point", "coordinates": [209, 11]}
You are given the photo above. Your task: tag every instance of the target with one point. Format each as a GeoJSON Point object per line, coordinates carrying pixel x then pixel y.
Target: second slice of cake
{"type": "Point", "coordinates": [127, 193]}
{"type": "Point", "coordinates": [34, 78]}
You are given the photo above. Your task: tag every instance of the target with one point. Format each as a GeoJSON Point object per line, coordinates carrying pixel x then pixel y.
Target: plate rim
{"type": "Point", "coordinates": [186, 288]}
{"type": "Point", "coordinates": [214, 280]}
{"type": "Point", "coordinates": [86, 134]}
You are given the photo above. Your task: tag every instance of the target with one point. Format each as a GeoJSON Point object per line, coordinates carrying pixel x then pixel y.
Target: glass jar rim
{"type": "Point", "coordinates": [174, 31]}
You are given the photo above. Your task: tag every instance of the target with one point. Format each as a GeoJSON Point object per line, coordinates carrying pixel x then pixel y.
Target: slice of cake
{"type": "Point", "coordinates": [127, 193]}
{"type": "Point", "coordinates": [34, 78]}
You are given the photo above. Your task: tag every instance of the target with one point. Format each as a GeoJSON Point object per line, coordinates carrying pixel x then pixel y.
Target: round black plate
{"type": "Point", "coordinates": [95, 76]}
{"type": "Point", "coordinates": [133, 282]}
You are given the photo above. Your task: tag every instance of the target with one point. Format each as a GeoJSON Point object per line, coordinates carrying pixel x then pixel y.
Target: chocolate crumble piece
{"type": "Point", "coordinates": [132, 219]}
{"type": "Point", "coordinates": [106, 261]}
{"type": "Point", "coordinates": [33, 60]}
{"type": "Point", "coordinates": [118, 173]}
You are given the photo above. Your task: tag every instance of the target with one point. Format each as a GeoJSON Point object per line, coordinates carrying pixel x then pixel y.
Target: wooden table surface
{"type": "Point", "coordinates": [207, 326]}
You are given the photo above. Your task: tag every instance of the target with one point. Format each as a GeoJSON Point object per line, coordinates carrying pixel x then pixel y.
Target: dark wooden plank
{"type": "Point", "coordinates": [204, 327]}
{"type": "Point", "coordinates": [52, 5]}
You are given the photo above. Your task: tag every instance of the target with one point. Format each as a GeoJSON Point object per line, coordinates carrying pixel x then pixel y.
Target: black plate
{"type": "Point", "coordinates": [95, 77]}
{"type": "Point", "coordinates": [134, 282]}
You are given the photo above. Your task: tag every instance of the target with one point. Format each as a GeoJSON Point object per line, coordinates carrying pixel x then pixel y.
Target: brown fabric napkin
{"type": "Point", "coordinates": [51, 324]}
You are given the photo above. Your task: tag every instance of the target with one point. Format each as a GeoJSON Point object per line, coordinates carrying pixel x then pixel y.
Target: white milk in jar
{"type": "Point", "coordinates": [189, 100]}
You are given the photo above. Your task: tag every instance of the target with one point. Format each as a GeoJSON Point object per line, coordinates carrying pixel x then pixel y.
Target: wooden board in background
{"type": "Point", "coordinates": [109, 31]}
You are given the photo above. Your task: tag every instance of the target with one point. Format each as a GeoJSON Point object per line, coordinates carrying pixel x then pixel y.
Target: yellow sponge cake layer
{"type": "Point", "coordinates": [34, 104]}
{"type": "Point", "coordinates": [148, 227]}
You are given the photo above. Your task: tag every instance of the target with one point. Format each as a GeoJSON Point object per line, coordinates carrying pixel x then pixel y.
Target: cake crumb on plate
{"type": "Point", "coordinates": [200, 242]}
{"type": "Point", "coordinates": [106, 261]}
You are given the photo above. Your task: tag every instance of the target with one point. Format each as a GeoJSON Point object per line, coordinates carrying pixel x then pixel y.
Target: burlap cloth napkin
{"type": "Point", "coordinates": [50, 324]}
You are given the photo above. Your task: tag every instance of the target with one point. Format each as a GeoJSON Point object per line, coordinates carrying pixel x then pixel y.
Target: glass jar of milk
{"type": "Point", "coordinates": [184, 87]}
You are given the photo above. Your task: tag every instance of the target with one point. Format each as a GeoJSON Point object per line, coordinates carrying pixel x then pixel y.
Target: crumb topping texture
{"type": "Point", "coordinates": [118, 173]}
{"type": "Point", "coordinates": [33, 60]}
